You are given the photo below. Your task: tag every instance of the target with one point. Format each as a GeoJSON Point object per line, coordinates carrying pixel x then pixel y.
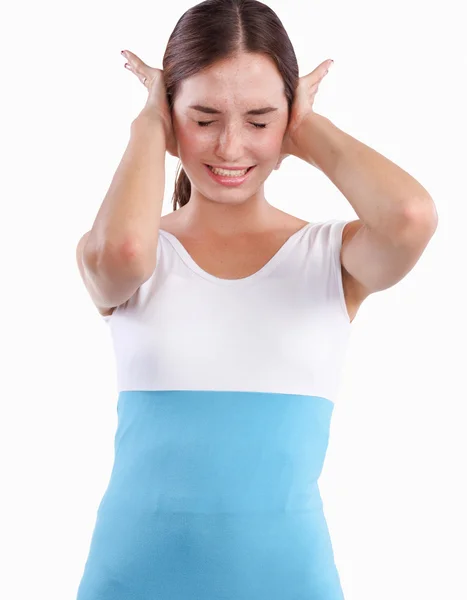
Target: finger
{"type": "Point", "coordinates": [140, 74]}
{"type": "Point", "coordinates": [133, 59]}
{"type": "Point", "coordinates": [325, 66]}
{"type": "Point", "coordinates": [319, 73]}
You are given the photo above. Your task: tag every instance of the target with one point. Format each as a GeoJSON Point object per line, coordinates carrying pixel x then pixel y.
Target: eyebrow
{"type": "Point", "coordinates": [213, 111]}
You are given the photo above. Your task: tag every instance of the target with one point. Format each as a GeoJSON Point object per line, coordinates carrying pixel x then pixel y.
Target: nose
{"type": "Point", "coordinates": [230, 145]}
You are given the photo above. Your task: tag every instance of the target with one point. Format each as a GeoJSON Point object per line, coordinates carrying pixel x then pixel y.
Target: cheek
{"type": "Point", "coordinates": [191, 137]}
{"type": "Point", "coordinates": [189, 142]}
{"type": "Point", "coordinates": [276, 139]}
{"type": "Point", "coordinates": [269, 145]}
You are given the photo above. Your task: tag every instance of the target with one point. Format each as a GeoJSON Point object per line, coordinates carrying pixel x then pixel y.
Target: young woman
{"type": "Point", "coordinates": [230, 318]}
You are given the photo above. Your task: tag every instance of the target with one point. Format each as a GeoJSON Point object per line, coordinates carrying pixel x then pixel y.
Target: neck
{"type": "Point", "coordinates": [217, 219]}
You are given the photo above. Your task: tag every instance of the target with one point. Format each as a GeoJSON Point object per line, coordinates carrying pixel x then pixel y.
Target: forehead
{"type": "Point", "coordinates": [248, 79]}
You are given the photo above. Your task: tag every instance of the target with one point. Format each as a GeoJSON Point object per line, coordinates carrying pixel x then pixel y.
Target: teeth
{"type": "Point", "coordinates": [228, 173]}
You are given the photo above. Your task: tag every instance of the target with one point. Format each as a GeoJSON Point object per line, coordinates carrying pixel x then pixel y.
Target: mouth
{"type": "Point", "coordinates": [242, 171]}
{"type": "Point", "coordinates": [233, 178]}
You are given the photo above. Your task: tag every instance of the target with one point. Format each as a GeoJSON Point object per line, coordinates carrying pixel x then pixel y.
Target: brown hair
{"type": "Point", "coordinates": [214, 30]}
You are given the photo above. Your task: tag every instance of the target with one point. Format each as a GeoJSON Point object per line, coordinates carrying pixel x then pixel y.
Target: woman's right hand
{"type": "Point", "coordinates": [157, 96]}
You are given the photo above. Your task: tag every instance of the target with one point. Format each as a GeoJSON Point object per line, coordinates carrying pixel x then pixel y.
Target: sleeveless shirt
{"type": "Point", "coordinates": [226, 390]}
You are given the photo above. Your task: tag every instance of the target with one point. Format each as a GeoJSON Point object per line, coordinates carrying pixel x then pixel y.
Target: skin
{"type": "Point", "coordinates": [233, 86]}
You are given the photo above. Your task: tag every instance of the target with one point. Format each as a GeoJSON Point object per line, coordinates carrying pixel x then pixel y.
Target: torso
{"type": "Point", "coordinates": [249, 255]}
{"type": "Point", "coordinates": [219, 260]}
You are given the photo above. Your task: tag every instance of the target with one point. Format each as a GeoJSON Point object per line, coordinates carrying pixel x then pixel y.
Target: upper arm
{"type": "Point", "coordinates": [373, 262]}
{"type": "Point", "coordinates": [109, 284]}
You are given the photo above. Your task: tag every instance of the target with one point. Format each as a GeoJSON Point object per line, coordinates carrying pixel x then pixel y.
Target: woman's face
{"type": "Point", "coordinates": [231, 137]}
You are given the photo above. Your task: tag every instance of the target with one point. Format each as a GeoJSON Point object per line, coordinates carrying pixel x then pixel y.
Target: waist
{"type": "Point", "coordinates": [217, 452]}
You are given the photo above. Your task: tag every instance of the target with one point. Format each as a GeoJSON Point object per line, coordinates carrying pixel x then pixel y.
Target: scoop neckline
{"type": "Point", "coordinates": [265, 269]}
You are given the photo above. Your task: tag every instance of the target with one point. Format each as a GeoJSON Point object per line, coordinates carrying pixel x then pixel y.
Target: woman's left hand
{"type": "Point", "coordinates": [302, 106]}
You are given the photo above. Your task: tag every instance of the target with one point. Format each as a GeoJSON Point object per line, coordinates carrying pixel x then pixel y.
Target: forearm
{"type": "Point", "coordinates": [384, 196]}
{"type": "Point", "coordinates": [132, 207]}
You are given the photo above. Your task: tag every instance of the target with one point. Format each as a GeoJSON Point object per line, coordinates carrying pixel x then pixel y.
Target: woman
{"type": "Point", "coordinates": [230, 318]}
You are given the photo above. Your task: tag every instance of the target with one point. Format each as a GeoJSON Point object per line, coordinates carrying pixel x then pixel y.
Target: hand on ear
{"type": "Point", "coordinates": [302, 107]}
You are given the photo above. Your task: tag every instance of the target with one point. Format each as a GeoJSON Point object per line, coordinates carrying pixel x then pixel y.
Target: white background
{"type": "Point", "coordinates": [394, 481]}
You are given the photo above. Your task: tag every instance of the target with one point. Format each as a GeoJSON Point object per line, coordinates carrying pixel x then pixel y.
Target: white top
{"type": "Point", "coordinates": [283, 329]}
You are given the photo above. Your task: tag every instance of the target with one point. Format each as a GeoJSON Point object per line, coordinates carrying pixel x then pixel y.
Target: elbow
{"type": "Point", "coordinates": [127, 255]}
{"type": "Point", "coordinates": [420, 218]}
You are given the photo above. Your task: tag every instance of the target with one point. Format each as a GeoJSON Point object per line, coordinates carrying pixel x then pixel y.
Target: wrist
{"type": "Point", "coordinates": [309, 139]}
{"type": "Point", "coordinates": [148, 118]}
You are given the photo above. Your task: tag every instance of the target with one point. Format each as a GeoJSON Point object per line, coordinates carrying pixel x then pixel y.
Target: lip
{"type": "Point", "coordinates": [229, 181]}
{"type": "Point", "coordinates": [231, 168]}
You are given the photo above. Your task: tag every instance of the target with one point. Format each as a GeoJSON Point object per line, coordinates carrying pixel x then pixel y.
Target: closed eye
{"type": "Point", "coordinates": [206, 123]}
